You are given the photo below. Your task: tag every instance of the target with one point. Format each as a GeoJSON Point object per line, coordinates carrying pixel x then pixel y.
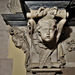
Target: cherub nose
{"type": "Point", "coordinates": [48, 32]}
{"type": "Point", "coordinates": [18, 44]}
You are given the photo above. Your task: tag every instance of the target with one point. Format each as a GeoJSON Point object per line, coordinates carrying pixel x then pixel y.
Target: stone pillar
{"type": "Point", "coordinates": [5, 62]}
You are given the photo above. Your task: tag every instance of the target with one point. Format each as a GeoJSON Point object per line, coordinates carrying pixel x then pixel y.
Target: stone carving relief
{"type": "Point", "coordinates": [71, 45]}
{"type": "Point", "coordinates": [70, 42]}
{"type": "Point", "coordinates": [40, 39]}
{"type": "Point", "coordinates": [14, 6]}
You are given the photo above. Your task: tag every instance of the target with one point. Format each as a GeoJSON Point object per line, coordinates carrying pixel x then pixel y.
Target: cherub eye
{"type": "Point", "coordinates": [50, 31]}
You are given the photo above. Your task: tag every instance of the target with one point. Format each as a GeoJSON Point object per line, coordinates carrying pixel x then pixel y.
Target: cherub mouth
{"type": "Point", "coordinates": [48, 36]}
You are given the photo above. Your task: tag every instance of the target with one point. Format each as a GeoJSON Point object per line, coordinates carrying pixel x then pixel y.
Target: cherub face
{"type": "Point", "coordinates": [47, 29]}
{"type": "Point", "coordinates": [17, 38]}
{"type": "Point", "coordinates": [47, 33]}
{"type": "Point", "coordinates": [17, 41]}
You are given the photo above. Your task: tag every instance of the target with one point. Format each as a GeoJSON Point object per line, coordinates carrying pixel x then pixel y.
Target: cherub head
{"type": "Point", "coordinates": [47, 29]}
{"type": "Point", "coordinates": [17, 36]}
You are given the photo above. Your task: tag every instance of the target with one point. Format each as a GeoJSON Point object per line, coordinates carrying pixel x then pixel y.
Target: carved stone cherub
{"type": "Point", "coordinates": [41, 41]}
{"type": "Point", "coordinates": [45, 40]}
{"type": "Point", "coordinates": [47, 34]}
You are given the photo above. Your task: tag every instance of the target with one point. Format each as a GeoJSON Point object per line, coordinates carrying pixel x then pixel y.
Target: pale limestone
{"type": "Point", "coordinates": [4, 35]}
{"type": "Point", "coordinates": [39, 43]}
{"type": "Point", "coordinates": [6, 65]}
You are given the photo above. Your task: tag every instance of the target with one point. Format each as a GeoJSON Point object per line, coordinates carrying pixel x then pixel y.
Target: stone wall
{"type": "Point", "coordinates": [5, 62]}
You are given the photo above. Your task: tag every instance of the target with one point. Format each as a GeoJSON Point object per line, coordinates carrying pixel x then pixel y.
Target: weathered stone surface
{"type": "Point", "coordinates": [3, 7]}
{"type": "Point", "coordinates": [68, 71]}
{"type": "Point", "coordinates": [6, 66]}
{"type": "Point", "coordinates": [45, 73]}
{"type": "Point", "coordinates": [4, 35]}
{"type": "Point", "coordinates": [5, 63]}
{"type": "Point", "coordinates": [14, 6]}
{"type": "Point", "coordinates": [68, 43]}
